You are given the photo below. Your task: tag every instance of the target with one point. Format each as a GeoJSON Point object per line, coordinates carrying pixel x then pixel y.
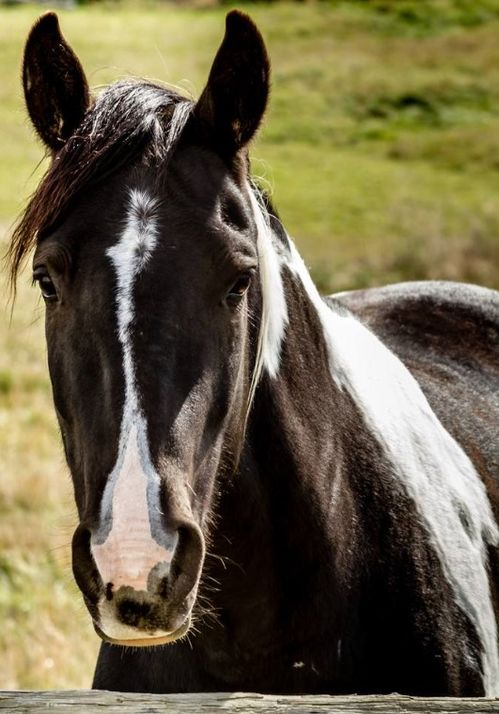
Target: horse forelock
{"type": "Point", "coordinates": [128, 121]}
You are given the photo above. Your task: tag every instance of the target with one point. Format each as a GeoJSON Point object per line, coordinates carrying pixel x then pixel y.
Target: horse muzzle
{"type": "Point", "coordinates": [140, 593]}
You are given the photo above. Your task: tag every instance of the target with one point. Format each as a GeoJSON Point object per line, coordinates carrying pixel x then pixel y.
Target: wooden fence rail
{"type": "Point", "coordinates": [75, 702]}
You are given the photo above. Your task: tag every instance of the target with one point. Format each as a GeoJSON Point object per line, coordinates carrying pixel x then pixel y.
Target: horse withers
{"type": "Point", "coordinates": [276, 492]}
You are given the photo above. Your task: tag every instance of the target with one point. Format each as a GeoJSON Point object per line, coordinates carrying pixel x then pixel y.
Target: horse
{"type": "Point", "coordinates": [276, 491]}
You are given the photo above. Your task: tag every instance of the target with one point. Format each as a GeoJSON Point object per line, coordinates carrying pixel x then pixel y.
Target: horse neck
{"type": "Point", "coordinates": [345, 457]}
{"type": "Point", "coordinates": [276, 519]}
{"type": "Point", "coordinates": [301, 415]}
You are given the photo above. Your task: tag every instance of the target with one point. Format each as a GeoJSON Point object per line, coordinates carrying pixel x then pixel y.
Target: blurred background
{"type": "Point", "coordinates": [381, 148]}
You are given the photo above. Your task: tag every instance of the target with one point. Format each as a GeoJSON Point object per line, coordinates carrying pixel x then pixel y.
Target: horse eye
{"type": "Point", "coordinates": [47, 287]}
{"type": "Point", "coordinates": [238, 290]}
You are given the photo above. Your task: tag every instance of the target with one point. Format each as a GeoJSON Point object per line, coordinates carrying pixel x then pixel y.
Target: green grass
{"type": "Point", "coordinates": [382, 147]}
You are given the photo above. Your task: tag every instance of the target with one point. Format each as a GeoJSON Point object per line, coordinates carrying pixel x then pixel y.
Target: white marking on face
{"type": "Point", "coordinates": [130, 541]}
{"type": "Point", "coordinates": [129, 553]}
{"type": "Point", "coordinates": [436, 472]}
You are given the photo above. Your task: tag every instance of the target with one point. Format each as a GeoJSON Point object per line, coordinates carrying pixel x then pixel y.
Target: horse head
{"type": "Point", "coordinates": [150, 254]}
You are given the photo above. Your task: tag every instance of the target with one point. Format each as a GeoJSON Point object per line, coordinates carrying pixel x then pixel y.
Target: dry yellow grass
{"type": "Point", "coordinates": [45, 637]}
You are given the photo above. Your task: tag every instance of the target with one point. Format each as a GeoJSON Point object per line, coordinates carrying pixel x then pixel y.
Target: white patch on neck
{"type": "Point", "coordinates": [434, 469]}
{"type": "Point", "coordinates": [431, 465]}
{"type": "Point", "coordinates": [128, 542]}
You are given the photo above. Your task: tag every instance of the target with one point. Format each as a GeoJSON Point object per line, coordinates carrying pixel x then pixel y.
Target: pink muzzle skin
{"type": "Point", "coordinates": [129, 554]}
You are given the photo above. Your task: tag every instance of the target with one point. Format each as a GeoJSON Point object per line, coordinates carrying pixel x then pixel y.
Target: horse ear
{"type": "Point", "coordinates": [55, 87]}
{"type": "Point", "coordinates": [233, 102]}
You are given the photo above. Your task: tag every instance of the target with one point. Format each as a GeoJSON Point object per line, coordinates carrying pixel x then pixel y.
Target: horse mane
{"type": "Point", "coordinates": [129, 118]}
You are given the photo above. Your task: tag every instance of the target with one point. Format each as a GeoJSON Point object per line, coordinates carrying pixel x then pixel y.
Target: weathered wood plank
{"type": "Point", "coordinates": [239, 703]}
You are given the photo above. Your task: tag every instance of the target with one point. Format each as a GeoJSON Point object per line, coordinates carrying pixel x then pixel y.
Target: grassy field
{"type": "Point", "coordinates": [382, 148]}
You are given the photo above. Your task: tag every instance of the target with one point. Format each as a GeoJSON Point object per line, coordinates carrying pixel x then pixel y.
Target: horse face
{"type": "Point", "coordinates": [147, 280]}
{"type": "Point", "coordinates": [148, 354]}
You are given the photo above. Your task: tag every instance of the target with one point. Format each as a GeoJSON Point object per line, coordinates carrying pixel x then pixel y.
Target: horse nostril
{"type": "Point", "coordinates": [109, 591]}
{"type": "Point", "coordinates": [186, 564]}
{"type": "Point", "coordinates": [163, 587]}
{"type": "Point", "coordinates": [175, 570]}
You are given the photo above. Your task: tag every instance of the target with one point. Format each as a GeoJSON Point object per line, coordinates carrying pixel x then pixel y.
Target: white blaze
{"type": "Point", "coordinates": [124, 548]}
{"type": "Point", "coordinates": [129, 552]}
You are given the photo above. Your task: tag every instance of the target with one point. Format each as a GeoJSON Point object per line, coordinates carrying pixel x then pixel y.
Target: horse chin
{"type": "Point", "coordinates": [147, 640]}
